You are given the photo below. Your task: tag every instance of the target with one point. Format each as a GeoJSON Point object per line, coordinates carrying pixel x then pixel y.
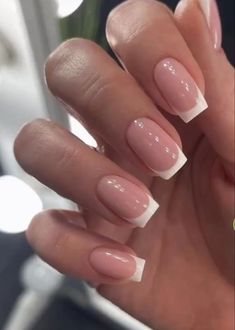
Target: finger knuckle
{"type": "Point", "coordinates": [67, 156]}
{"type": "Point", "coordinates": [67, 62]}
{"type": "Point", "coordinates": [97, 87]}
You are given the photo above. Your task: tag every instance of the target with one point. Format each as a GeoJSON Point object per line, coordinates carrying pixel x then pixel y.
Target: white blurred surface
{"type": "Point", "coordinates": [20, 97]}
{"type": "Point", "coordinates": [25, 43]}
{"type": "Point", "coordinates": [67, 7]}
{"type": "Point", "coordinates": [78, 130]}
{"type": "Point", "coordinates": [40, 281]}
{"type": "Point", "coordinates": [19, 203]}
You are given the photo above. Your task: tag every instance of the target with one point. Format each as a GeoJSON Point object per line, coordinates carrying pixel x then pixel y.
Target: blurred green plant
{"type": "Point", "coordinates": [85, 23]}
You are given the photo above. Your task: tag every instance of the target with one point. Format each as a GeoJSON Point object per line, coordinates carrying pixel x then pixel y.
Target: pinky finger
{"type": "Point", "coordinates": [78, 253]}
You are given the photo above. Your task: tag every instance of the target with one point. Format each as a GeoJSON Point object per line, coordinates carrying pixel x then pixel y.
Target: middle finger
{"type": "Point", "coordinates": [114, 107]}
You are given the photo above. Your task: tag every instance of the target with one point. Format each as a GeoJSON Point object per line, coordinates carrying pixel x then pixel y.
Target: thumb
{"type": "Point", "coordinates": [199, 23]}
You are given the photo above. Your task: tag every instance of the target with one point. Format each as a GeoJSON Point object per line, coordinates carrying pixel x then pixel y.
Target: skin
{"type": "Point", "coordinates": [189, 244]}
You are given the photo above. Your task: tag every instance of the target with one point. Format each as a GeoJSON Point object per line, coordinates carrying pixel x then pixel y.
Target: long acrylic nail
{"type": "Point", "coordinates": [117, 264]}
{"type": "Point", "coordinates": [179, 89]}
{"type": "Point", "coordinates": [211, 12]}
{"type": "Point", "coordinates": [126, 200]}
{"type": "Point", "coordinates": [155, 148]}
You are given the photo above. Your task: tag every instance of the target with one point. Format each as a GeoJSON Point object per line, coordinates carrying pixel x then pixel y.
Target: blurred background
{"type": "Point", "coordinates": [32, 294]}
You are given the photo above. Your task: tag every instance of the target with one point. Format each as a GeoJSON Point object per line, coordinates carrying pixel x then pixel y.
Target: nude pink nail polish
{"type": "Point", "coordinates": [126, 200]}
{"type": "Point", "coordinates": [117, 264]}
{"type": "Point", "coordinates": [211, 12]}
{"type": "Point", "coordinates": [179, 89]}
{"type": "Point", "coordinates": [155, 147]}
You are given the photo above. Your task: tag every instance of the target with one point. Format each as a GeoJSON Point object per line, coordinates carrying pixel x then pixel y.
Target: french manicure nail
{"type": "Point", "coordinates": [211, 12]}
{"type": "Point", "coordinates": [179, 89]}
{"type": "Point", "coordinates": [155, 148]}
{"type": "Point", "coordinates": [126, 200]}
{"type": "Point", "coordinates": [117, 264]}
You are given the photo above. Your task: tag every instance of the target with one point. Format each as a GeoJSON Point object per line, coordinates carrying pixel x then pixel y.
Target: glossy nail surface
{"type": "Point", "coordinates": [179, 89]}
{"type": "Point", "coordinates": [126, 199]}
{"type": "Point", "coordinates": [155, 148]}
{"type": "Point", "coordinates": [211, 13]}
{"type": "Point", "coordinates": [117, 264]}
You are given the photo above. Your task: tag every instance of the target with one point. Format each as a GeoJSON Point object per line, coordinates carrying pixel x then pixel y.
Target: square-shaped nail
{"type": "Point", "coordinates": [117, 264]}
{"type": "Point", "coordinates": [127, 200]}
{"type": "Point", "coordinates": [155, 148]}
{"type": "Point", "coordinates": [179, 89]}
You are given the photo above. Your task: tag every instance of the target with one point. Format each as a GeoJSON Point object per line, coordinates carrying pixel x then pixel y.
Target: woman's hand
{"type": "Point", "coordinates": [172, 61]}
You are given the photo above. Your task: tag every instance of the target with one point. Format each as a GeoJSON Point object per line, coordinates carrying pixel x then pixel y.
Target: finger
{"type": "Point", "coordinates": [144, 36]}
{"type": "Point", "coordinates": [75, 171]}
{"type": "Point", "coordinates": [114, 106]}
{"type": "Point", "coordinates": [202, 31]}
{"type": "Point", "coordinates": [78, 253]}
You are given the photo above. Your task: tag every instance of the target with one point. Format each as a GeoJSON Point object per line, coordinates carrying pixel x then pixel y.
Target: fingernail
{"type": "Point", "coordinates": [117, 264]}
{"type": "Point", "coordinates": [126, 200]}
{"type": "Point", "coordinates": [211, 12]}
{"type": "Point", "coordinates": [179, 89]}
{"type": "Point", "coordinates": [155, 148]}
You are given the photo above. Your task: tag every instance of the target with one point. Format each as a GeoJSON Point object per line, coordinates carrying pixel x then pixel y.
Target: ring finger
{"type": "Point", "coordinates": [79, 173]}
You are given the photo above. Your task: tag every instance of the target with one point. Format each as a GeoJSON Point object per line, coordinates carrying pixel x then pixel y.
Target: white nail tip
{"type": "Point", "coordinates": [144, 218]}
{"type": "Point", "coordinates": [175, 168]}
{"type": "Point", "coordinates": [201, 105]}
{"type": "Point", "coordinates": [138, 275]}
{"type": "Point", "coordinates": [205, 6]}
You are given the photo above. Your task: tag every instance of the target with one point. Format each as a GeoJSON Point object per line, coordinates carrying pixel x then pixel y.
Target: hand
{"type": "Point", "coordinates": [172, 60]}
